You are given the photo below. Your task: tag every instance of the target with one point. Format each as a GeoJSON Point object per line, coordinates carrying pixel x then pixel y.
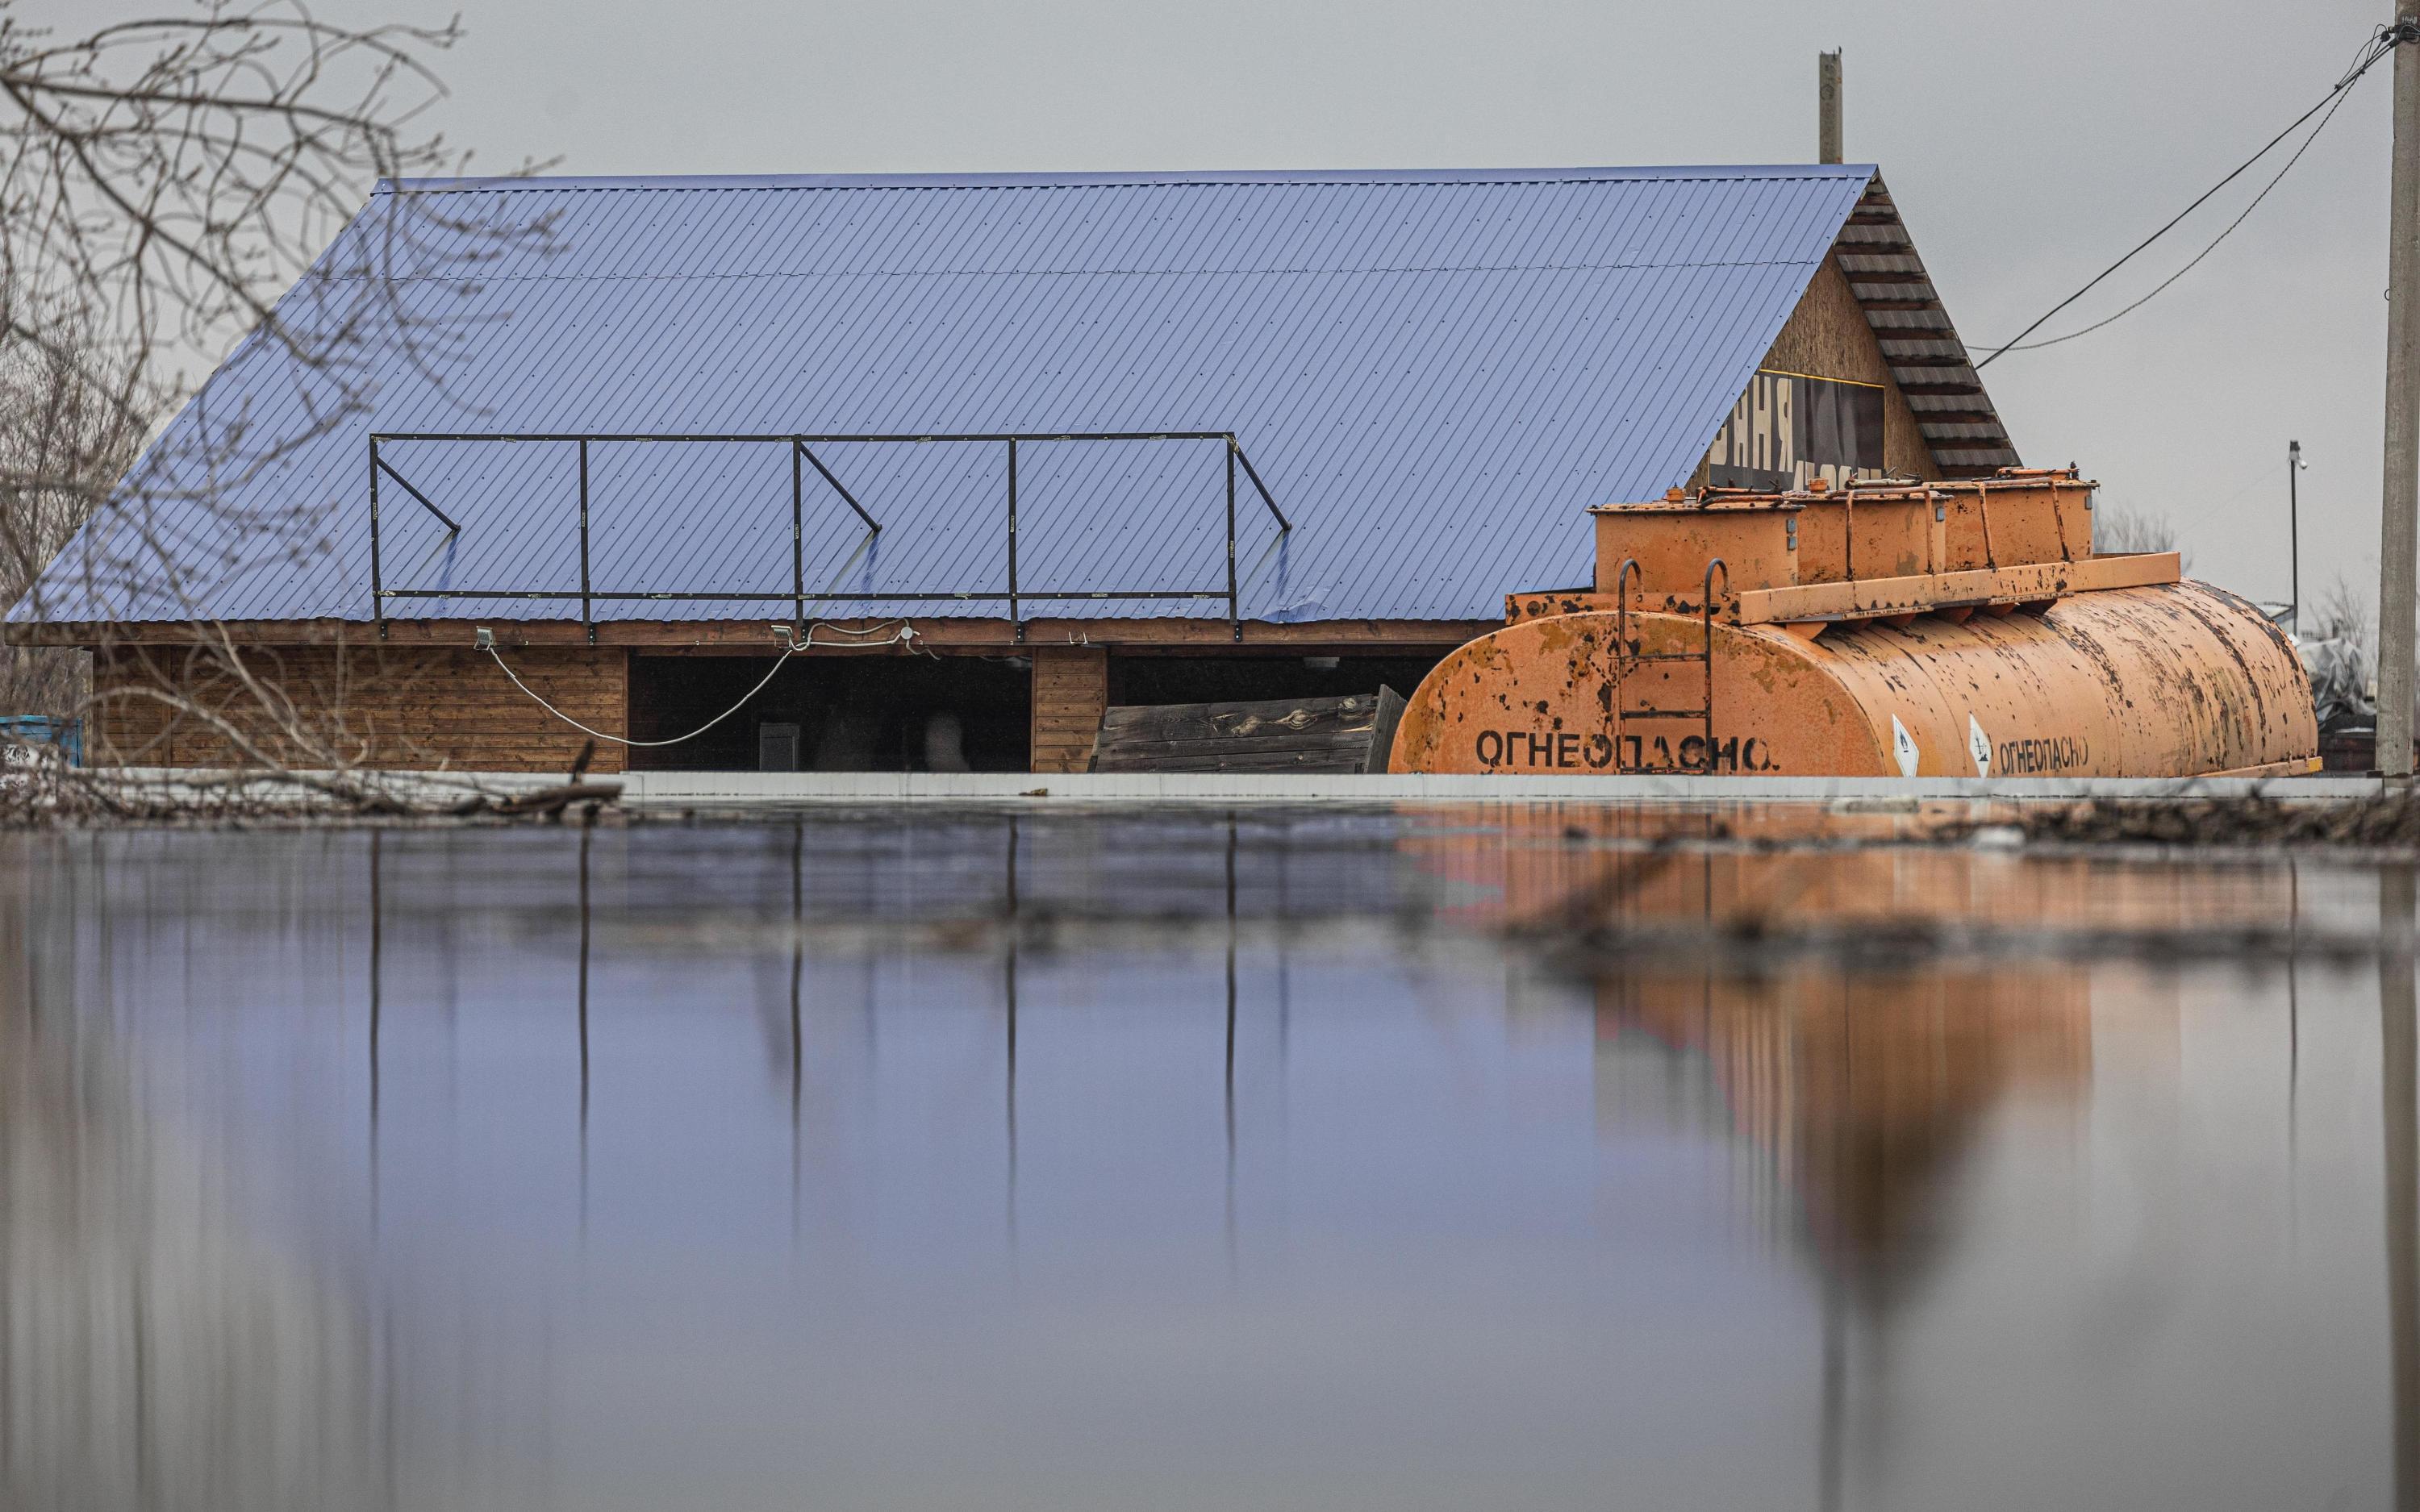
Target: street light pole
{"type": "Point", "coordinates": [2294, 533]}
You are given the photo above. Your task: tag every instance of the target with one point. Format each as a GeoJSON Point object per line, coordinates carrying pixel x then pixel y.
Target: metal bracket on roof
{"type": "Point", "coordinates": [452, 527]}
{"type": "Point", "coordinates": [839, 487]}
{"type": "Point", "coordinates": [1237, 447]}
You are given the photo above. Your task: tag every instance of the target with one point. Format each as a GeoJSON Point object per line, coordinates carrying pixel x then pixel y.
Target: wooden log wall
{"type": "Point", "coordinates": [381, 707]}
{"type": "Point", "coordinates": [1071, 691]}
{"type": "Point", "coordinates": [1829, 336]}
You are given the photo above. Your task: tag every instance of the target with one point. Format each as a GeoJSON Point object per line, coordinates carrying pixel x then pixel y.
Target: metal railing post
{"type": "Point", "coordinates": [587, 607]}
{"type": "Point", "coordinates": [1016, 618]}
{"type": "Point", "coordinates": [1623, 655]}
{"type": "Point", "coordinates": [798, 544]}
{"type": "Point", "coordinates": [378, 582]}
{"type": "Point", "coordinates": [1234, 604]}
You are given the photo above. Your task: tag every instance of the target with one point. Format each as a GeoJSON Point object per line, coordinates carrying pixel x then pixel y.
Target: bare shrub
{"type": "Point", "coordinates": [2343, 611]}
{"type": "Point", "coordinates": [2339, 640]}
{"type": "Point", "coordinates": [2119, 528]}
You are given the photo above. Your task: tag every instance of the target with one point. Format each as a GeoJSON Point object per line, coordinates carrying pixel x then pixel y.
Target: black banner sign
{"type": "Point", "coordinates": [1789, 429]}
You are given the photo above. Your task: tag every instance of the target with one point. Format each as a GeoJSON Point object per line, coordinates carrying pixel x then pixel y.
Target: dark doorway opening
{"type": "Point", "coordinates": [833, 714]}
{"type": "Point", "coordinates": [1247, 679]}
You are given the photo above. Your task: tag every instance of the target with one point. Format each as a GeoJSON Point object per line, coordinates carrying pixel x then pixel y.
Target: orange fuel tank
{"type": "Point", "coordinates": [2008, 651]}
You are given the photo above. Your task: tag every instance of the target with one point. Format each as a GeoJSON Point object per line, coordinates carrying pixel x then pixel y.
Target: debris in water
{"type": "Point", "coordinates": [2385, 822]}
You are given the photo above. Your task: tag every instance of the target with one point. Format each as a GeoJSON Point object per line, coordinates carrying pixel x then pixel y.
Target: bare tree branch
{"type": "Point", "coordinates": [170, 186]}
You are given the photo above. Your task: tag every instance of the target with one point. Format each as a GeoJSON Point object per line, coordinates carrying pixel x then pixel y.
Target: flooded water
{"type": "Point", "coordinates": [1498, 1157]}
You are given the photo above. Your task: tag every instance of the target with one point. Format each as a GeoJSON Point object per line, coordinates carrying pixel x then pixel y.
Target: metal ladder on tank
{"type": "Point", "coordinates": [1627, 658]}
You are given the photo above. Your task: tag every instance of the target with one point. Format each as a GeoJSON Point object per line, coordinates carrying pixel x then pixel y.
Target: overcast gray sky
{"type": "Point", "coordinates": [2028, 146]}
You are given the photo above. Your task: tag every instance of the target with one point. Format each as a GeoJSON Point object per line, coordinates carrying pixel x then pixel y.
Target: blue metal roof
{"type": "Point", "coordinates": [1436, 372]}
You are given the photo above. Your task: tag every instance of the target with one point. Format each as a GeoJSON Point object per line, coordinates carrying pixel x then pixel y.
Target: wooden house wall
{"type": "Point", "coordinates": [1071, 691]}
{"type": "Point", "coordinates": [383, 707]}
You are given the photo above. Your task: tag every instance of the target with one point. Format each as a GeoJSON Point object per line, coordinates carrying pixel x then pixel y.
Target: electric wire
{"type": "Point", "coordinates": [789, 648]}
{"type": "Point", "coordinates": [2382, 43]}
{"type": "Point", "coordinates": [2161, 286]}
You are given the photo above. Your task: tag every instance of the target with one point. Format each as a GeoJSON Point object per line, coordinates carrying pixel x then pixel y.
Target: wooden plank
{"type": "Point", "coordinates": [1343, 742]}
{"type": "Point", "coordinates": [1871, 599]}
{"type": "Point", "coordinates": [1071, 687]}
{"type": "Point", "coordinates": [1329, 735]}
{"type": "Point", "coordinates": [1253, 713]}
{"type": "Point", "coordinates": [1305, 762]}
{"type": "Point", "coordinates": [2032, 582]}
{"type": "Point", "coordinates": [1382, 732]}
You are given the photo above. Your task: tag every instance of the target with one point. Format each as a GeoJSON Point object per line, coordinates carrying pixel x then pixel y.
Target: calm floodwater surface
{"type": "Point", "coordinates": [1290, 1158]}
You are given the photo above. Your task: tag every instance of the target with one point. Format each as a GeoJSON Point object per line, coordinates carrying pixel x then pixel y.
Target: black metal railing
{"type": "Point", "coordinates": [802, 456]}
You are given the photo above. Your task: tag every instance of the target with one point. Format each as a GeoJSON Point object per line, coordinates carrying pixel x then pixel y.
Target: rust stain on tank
{"type": "Point", "coordinates": [2013, 650]}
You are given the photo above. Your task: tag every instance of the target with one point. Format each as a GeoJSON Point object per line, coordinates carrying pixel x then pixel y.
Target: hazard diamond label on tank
{"type": "Point", "coordinates": [1903, 747]}
{"type": "Point", "coordinates": [1980, 745]}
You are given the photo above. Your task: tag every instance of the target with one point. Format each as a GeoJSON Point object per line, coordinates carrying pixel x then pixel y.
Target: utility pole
{"type": "Point", "coordinates": [2398, 531]}
{"type": "Point", "coordinates": [2294, 535]}
{"type": "Point", "coordinates": [1827, 104]}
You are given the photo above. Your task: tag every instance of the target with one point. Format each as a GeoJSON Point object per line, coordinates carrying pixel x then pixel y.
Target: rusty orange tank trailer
{"type": "Point", "coordinates": [1936, 629]}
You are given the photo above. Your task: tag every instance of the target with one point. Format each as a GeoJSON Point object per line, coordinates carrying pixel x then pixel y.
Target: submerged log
{"type": "Point", "coordinates": [555, 800]}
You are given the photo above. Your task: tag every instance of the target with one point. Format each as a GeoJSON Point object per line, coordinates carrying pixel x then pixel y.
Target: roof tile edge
{"type": "Point", "coordinates": [1682, 173]}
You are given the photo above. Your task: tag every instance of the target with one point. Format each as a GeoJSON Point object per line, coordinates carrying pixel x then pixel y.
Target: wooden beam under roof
{"type": "Point", "coordinates": [757, 638]}
{"type": "Point", "coordinates": [1928, 361]}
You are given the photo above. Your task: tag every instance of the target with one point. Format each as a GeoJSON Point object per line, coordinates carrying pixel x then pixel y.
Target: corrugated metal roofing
{"type": "Point", "coordinates": [1435, 372]}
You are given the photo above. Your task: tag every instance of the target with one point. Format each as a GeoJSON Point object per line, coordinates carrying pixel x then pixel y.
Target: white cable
{"type": "Point", "coordinates": [906, 632]}
{"type": "Point", "coordinates": [617, 739]}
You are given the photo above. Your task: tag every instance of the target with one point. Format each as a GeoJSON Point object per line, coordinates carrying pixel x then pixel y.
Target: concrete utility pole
{"type": "Point", "coordinates": [1827, 99]}
{"type": "Point", "coordinates": [2398, 532]}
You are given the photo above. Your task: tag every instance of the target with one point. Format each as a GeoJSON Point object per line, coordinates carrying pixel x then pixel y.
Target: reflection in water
{"type": "Point", "coordinates": [1008, 998]}
{"type": "Point", "coordinates": [1450, 1157]}
{"type": "Point", "coordinates": [2400, 1119]}
{"type": "Point", "coordinates": [378, 1002]}
{"type": "Point", "coordinates": [797, 998]}
{"type": "Point", "coordinates": [1230, 1101]}
{"type": "Point", "coordinates": [1858, 1095]}
{"type": "Point", "coordinates": [154, 1350]}
{"type": "Point", "coordinates": [1863, 1094]}
{"type": "Point", "coordinates": [587, 839]}
{"type": "Point", "coordinates": [1861, 1098]}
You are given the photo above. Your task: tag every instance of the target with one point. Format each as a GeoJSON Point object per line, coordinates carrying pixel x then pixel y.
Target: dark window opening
{"type": "Point", "coordinates": [833, 714]}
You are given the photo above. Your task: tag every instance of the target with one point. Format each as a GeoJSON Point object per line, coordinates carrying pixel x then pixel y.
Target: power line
{"type": "Point", "coordinates": [2380, 44]}
{"type": "Point", "coordinates": [2163, 285]}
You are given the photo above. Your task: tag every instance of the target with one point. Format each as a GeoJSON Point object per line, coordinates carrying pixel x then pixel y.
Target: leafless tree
{"type": "Point", "coordinates": [168, 186]}
{"type": "Point", "coordinates": [168, 178]}
{"type": "Point", "coordinates": [60, 446]}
